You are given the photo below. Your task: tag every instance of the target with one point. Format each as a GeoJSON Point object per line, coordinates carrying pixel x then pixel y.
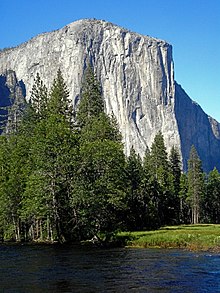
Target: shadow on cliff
{"type": "Point", "coordinates": [5, 102]}
{"type": "Point", "coordinates": [11, 92]}
{"type": "Point", "coordinates": [4, 92]}
{"type": "Point", "coordinates": [195, 129]}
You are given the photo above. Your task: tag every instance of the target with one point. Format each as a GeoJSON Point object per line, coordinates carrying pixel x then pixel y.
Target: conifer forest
{"type": "Point", "coordinates": [64, 175]}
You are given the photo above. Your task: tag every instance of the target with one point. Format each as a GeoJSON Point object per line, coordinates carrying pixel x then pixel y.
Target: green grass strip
{"type": "Point", "coordinates": [193, 237]}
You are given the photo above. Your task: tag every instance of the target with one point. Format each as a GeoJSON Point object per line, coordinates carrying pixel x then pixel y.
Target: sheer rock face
{"type": "Point", "coordinates": [197, 128]}
{"type": "Point", "coordinates": [12, 100]}
{"type": "Point", "coordinates": [136, 75]}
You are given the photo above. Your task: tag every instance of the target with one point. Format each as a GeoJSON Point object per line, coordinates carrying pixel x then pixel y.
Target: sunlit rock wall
{"type": "Point", "coordinates": [135, 71]}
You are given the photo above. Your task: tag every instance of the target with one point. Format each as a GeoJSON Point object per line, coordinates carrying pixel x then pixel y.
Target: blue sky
{"type": "Point", "coordinates": [191, 26]}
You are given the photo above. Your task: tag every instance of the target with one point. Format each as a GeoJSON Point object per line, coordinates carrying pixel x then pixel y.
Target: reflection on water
{"type": "Point", "coordinates": [25, 268]}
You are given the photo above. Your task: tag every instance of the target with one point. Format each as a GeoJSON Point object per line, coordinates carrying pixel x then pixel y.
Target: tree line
{"type": "Point", "coordinates": [64, 175]}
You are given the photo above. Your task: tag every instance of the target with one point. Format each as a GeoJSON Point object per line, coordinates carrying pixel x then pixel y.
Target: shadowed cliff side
{"type": "Point", "coordinates": [12, 100]}
{"type": "Point", "coordinates": [198, 129]}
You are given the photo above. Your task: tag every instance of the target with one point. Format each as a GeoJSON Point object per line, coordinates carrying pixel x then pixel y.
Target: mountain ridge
{"type": "Point", "coordinates": [136, 73]}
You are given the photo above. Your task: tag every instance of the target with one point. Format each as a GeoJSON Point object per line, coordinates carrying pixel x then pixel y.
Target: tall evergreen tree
{"type": "Point", "coordinates": [91, 102]}
{"type": "Point", "coordinates": [175, 168]}
{"type": "Point", "coordinates": [184, 214]}
{"type": "Point", "coordinates": [54, 153]}
{"type": "Point", "coordinates": [6, 226]}
{"type": "Point", "coordinates": [134, 198]}
{"type": "Point", "coordinates": [14, 173]}
{"type": "Point", "coordinates": [150, 190]}
{"type": "Point", "coordinates": [59, 102]}
{"type": "Point", "coordinates": [195, 184]}
{"type": "Point", "coordinates": [99, 185]}
{"type": "Point", "coordinates": [53, 188]}
{"type": "Point", "coordinates": [39, 97]}
{"type": "Point", "coordinates": [159, 159]}
{"type": "Point", "coordinates": [211, 200]}
{"type": "Point", "coordinates": [161, 170]}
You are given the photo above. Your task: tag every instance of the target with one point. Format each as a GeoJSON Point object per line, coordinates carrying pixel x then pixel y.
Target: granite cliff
{"type": "Point", "coordinates": [12, 100]}
{"type": "Point", "coordinates": [137, 78]}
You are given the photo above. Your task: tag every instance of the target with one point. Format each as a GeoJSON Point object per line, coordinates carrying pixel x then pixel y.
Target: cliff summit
{"type": "Point", "coordinates": [136, 73]}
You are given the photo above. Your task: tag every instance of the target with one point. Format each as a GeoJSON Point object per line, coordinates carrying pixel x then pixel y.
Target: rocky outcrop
{"type": "Point", "coordinates": [197, 128]}
{"type": "Point", "coordinates": [12, 100]}
{"type": "Point", "coordinates": [136, 74]}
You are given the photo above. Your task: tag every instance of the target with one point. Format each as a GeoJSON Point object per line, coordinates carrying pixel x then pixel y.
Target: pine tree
{"type": "Point", "coordinates": [211, 201]}
{"type": "Point", "coordinates": [59, 147]}
{"type": "Point", "coordinates": [159, 158]}
{"type": "Point", "coordinates": [54, 153]}
{"type": "Point", "coordinates": [39, 97]}
{"type": "Point", "coordinates": [184, 214]}
{"type": "Point", "coordinates": [175, 168]}
{"type": "Point", "coordinates": [6, 226]}
{"type": "Point", "coordinates": [161, 171]}
{"type": "Point", "coordinates": [16, 142]}
{"type": "Point", "coordinates": [195, 184]}
{"type": "Point", "coordinates": [91, 102]}
{"type": "Point", "coordinates": [59, 102]}
{"type": "Point", "coordinates": [14, 173]}
{"type": "Point", "coordinates": [100, 127]}
{"type": "Point", "coordinates": [134, 198]}
{"type": "Point", "coordinates": [150, 191]}
{"type": "Point", "coordinates": [99, 188]}
{"type": "Point", "coordinates": [98, 194]}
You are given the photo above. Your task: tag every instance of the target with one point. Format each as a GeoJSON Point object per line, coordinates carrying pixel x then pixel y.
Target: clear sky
{"type": "Point", "coordinates": [191, 26]}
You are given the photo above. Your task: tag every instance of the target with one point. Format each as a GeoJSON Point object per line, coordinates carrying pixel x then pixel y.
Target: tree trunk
{"type": "Point", "coordinates": [16, 223]}
{"type": "Point", "coordinates": [41, 230]}
{"type": "Point", "coordinates": [48, 228]}
{"type": "Point", "coordinates": [37, 228]}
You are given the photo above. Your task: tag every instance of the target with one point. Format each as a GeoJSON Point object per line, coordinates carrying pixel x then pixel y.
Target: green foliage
{"type": "Point", "coordinates": [54, 148]}
{"type": "Point", "coordinates": [100, 127]}
{"type": "Point", "coordinates": [175, 168]}
{"type": "Point", "coordinates": [134, 199]}
{"type": "Point", "coordinates": [14, 162]}
{"type": "Point", "coordinates": [195, 184]}
{"type": "Point", "coordinates": [59, 102]}
{"type": "Point", "coordinates": [211, 200]}
{"type": "Point", "coordinates": [193, 237]}
{"type": "Point", "coordinates": [99, 187]}
{"type": "Point", "coordinates": [184, 213]}
{"type": "Point", "coordinates": [160, 170]}
{"type": "Point", "coordinates": [150, 190]}
{"type": "Point", "coordinates": [159, 158]}
{"type": "Point", "coordinates": [64, 179]}
{"type": "Point", "coordinates": [39, 98]}
{"type": "Point", "coordinates": [91, 102]}
{"type": "Point", "coordinates": [37, 186]}
{"type": "Point", "coordinates": [175, 175]}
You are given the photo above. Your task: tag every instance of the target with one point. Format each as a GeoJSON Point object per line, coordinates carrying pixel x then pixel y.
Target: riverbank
{"type": "Point", "coordinates": [201, 237]}
{"type": "Point", "coordinates": [191, 237]}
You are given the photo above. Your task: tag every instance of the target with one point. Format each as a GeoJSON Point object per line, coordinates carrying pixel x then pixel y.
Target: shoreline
{"type": "Point", "coordinates": [200, 237]}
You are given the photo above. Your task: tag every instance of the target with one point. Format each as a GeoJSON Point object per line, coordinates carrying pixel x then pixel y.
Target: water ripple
{"type": "Point", "coordinates": [74, 269]}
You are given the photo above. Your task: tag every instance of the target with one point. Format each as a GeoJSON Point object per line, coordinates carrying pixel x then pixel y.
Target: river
{"type": "Point", "coordinates": [45, 268]}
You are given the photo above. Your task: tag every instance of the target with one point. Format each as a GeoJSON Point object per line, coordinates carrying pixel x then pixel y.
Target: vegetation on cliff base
{"type": "Point", "coordinates": [64, 176]}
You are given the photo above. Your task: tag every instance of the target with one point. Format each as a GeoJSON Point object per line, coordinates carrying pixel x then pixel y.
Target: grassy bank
{"type": "Point", "coordinates": [193, 237]}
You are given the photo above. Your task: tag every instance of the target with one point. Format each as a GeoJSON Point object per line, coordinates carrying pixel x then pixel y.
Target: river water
{"type": "Point", "coordinates": [42, 268]}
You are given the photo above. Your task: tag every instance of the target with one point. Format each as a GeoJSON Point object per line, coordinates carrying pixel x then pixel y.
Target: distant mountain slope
{"type": "Point", "coordinates": [197, 128]}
